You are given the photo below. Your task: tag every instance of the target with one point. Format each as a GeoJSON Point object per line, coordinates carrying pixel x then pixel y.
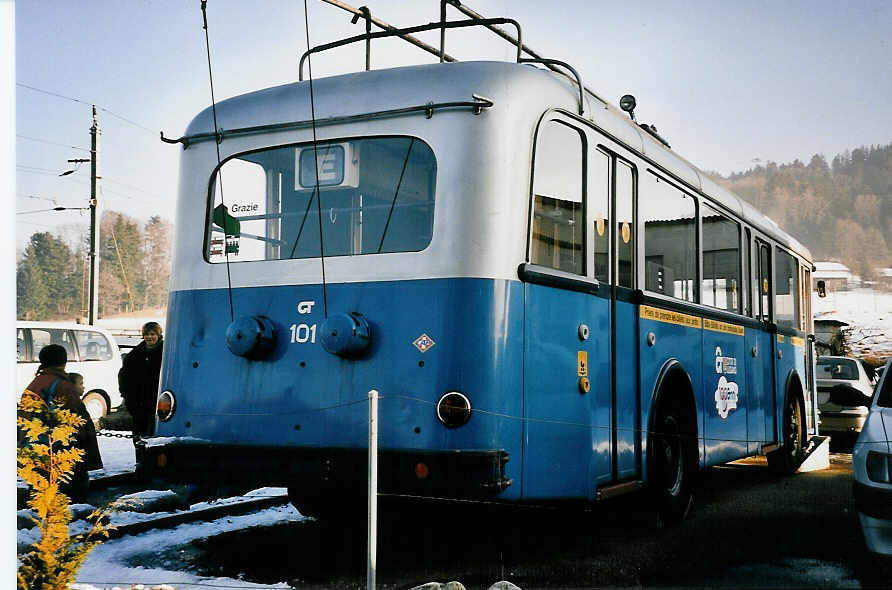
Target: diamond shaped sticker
{"type": "Point", "coordinates": [424, 342]}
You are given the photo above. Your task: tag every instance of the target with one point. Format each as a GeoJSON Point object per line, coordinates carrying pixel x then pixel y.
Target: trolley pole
{"type": "Point", "coordinates": [94, 220]}
{"type": "Point", "coordinates": [373, 489]}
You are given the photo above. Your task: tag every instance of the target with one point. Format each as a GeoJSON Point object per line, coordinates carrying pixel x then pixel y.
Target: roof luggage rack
{"type": "Point", "coordinates": [475, 19]}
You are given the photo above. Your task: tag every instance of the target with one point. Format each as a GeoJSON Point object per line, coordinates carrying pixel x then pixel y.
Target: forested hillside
{"type": "Point", "coordinates": [52, 277]}
{"type": "Point", "coordinates": [841, 211]}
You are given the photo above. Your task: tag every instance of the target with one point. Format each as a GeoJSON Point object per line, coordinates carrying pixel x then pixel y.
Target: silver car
{"type": "Point", "coordinates": [872, 462]}
{"type": "Point", "coordinates": [845, 388]}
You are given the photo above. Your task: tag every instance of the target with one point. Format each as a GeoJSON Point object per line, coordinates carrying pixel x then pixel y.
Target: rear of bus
{"type": "Point", "coordinates": [267, 366]}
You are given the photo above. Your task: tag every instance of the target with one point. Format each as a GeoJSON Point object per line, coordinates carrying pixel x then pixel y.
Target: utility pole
{"type": "Point", "coordinates": [94, 220]}
{"type": "Point", "coordinates": [93, 309]}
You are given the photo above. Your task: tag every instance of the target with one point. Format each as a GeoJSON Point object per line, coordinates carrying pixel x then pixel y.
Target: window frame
{"type": "Point", "coordinates": [661, 176]}
{"type": "Point", "coordinates": [701, 252]}
{"type": "Point", "coordinates": [587, 259]}
{"type": "Point", "coordinates": [211, 190]}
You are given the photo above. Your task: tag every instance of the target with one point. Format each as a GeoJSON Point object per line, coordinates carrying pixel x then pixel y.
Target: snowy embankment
{"type": "Point", "coordinates": [119, 563]}
{"type": "Point", "coordinates": [868, 314]}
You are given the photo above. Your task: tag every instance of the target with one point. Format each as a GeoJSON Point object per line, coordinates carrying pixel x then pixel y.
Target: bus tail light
{"type": "Point", "coordinates": [167, 404]}
{"type": "Point", "coordinates": [454, 409]}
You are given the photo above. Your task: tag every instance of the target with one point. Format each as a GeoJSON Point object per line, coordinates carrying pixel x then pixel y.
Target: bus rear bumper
{"type": "Point", "coordinates": [323, 470]}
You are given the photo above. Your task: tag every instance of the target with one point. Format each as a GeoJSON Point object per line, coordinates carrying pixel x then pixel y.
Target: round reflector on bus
{"type": "Point", "coordinates": [166, 405]}
{"type": "Point", "coordinates": [454, 409]}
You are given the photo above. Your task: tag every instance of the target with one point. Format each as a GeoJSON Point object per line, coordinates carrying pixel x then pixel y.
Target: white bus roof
{"type": "Point", "coordinates": [359, 93]}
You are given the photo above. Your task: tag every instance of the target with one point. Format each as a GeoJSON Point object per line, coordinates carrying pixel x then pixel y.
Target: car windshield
{"type": "Point", "coordinates": [830, 368]}
{"type": "Point", "coordinates": [884, 399]}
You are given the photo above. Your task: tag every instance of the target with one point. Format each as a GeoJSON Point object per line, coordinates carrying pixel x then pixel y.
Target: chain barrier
{"type": "Point", "coordinates": [111, 434]}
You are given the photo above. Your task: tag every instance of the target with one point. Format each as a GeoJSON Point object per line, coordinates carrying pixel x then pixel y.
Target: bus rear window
{"type": "Point", "coordinates": [375, 195]}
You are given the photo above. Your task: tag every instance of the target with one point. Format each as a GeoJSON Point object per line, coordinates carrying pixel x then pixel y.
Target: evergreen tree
{"type": "Point", "coordinates": [45, 278]}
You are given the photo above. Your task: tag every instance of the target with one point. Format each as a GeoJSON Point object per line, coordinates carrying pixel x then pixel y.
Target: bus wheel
{"type": "Point", "coordinates": [671, 466]}
{"type": "Point", "coordinates": [787, 459]}
{"type": "Point", "coordinates": [97, 406]}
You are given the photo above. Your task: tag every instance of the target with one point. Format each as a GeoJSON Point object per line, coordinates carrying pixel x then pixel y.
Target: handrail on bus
{"type": "Point", "coordinates": [476, 105]}
{"type": "Point", "coordinates": [403, 33]}
{"type": "Point", "coordinates": [555, 62]}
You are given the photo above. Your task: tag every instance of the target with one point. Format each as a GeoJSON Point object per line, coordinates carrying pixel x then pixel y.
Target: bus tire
{"type": "Point", "coordinates": [672, 465]}
{"type": "Point", "coordinates": [787, 459]}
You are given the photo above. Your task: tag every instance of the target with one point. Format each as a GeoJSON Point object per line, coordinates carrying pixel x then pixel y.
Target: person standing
{"type": "Point", "coordinates": [138, 382]}
{"type": "Point", "coordinates": [52, 380]}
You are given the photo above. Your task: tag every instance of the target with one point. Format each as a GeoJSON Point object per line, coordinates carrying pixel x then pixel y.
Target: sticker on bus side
{"type": "Point", "coordinates": [670, 317]}
{"type": "Point", "coordinates": [717, 326]}
{"type": "Point", "coordinates": [780, 338]}
{"type": "Point", "coordinates": [797, 341]}
{"type": "Point", "coordinates": [725, 364]}
{"type": "Point", "coordinates": [726, 397]}
{"type": "Point", "coordinates": [581, 363]}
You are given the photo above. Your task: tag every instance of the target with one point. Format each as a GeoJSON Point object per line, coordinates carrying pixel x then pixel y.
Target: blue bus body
{"type": "Point", "coordinates": [569, 377]}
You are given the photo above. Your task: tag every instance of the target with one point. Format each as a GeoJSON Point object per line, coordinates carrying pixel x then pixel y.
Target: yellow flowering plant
{"type": "Point", "coordinates": [46, 460]}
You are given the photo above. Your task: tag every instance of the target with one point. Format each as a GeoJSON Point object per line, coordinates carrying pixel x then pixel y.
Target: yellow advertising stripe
{"type": "Point", "coordinates": [717, 326]}
{"type": "Point", "coordinates": [797, 341]}
{"type": "Point", "coordinates": [670, 317]}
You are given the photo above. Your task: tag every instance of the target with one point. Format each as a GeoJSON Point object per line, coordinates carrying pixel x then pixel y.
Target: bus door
{"type": "Point", "coordinates": [625, 406]}
{"type": "Point", "coordinates": [566, 325]}
{"type": "Point", "coordinates": [760, 345]}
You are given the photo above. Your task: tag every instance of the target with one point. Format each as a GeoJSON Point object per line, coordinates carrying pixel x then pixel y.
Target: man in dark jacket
{"type": "Point", "coordinates": [51, 376]}
{"type": "Point", "coordinates": [138, 382]}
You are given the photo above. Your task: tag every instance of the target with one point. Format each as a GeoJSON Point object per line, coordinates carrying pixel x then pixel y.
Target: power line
{"type": "Point", "coordinates": [33, 211]}
{"type": "Point", "coordinates": [36, 168]}
{"type": "Point", "coordinates": [77, 100]}
{"type": "Point", "coordinates": [74, 147]}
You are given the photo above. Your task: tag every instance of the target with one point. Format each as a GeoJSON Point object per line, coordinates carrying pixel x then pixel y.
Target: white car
{"type": "Point", "coordinates": [872, 461]}
{"type": "Point", "coordinates": [845, 386]}
{"type": "Point", "coordinates": [92, 352]}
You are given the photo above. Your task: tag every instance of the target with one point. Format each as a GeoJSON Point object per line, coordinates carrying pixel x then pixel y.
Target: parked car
{"type": "Point", "coordinates": [845, 388]}
{"type": "Point", "coordinates": [92, 352]}
{"type": "Point", "coordinates": [872, 462]}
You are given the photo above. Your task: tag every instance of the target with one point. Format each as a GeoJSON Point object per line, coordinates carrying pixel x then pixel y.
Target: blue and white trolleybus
{"type": "Point", "coordinates": [553, 305]}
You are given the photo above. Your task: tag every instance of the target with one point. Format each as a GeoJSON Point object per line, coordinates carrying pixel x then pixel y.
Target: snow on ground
{"type": "Point", "coordinates": [868, 313]}
{"type": "Point", "coordinates": [113, 562]}
{"type": "Point", "coordinates": [117, 455]}
{"type": "Point", "coordinates": [116, 563]}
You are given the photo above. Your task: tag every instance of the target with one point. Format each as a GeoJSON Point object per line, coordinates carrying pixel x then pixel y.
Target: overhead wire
{"type": "Point", "coordinates": [219, 138]}
{"type": "Point", "coordinates": [37, 139]}
{"type": "Point", "coordinates": [77, 100]}
{"type": "Point", "coordinates": [316, 163]}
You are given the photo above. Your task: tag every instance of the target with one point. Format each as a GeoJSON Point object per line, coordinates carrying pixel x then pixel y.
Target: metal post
{"type": "Point", "coordinates": [94, 221]}
{"type": "Point", "coordinates": [442, 29]}
{"type": "Point", "coordinates": [373, 489]}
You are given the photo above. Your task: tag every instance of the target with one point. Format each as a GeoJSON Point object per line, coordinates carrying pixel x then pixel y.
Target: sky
{"type": "Point", "coordinates": [729, 84]}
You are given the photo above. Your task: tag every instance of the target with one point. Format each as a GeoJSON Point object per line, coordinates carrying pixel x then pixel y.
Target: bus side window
{"type": "Point", "coordinates": [721, 260]}
{"type": "Point", "coordinates": [670, 239]}
{"type": "Point", "coordinates": [786, 301]}
{"type": "Point", "coordinates": [805, 299]}
{"type": "Point", "coordinates": [558, 229]}
{"type": "Point", "coordinates": [746, 291]}
{"type": "Point", "coordinates": [599, 205]}
{"type": "Point", "coordinates": [763, 282]}
{"type": "Point", "coordinates": [625, 225]}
